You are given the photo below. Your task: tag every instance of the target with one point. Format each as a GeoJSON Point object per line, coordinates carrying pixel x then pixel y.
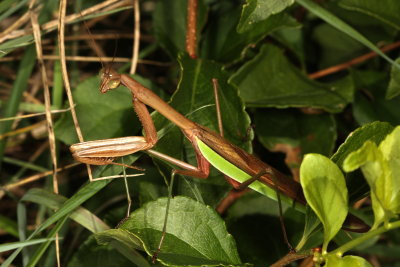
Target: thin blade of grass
{"type": "Point", "coordinates": [11, 246]}
{"type": "Point", "coordinates": [20, 84]}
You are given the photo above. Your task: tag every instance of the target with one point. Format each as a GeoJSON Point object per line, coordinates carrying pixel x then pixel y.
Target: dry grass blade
{"type": "Point", "coordinates": [33, 178]}
{"type": "Point", "coordinates": [34, 115]}
{"type": "Point", "coordinates": [61, 41]}
{"type": "Point", "coordinates": [52, 25]}
{"type": "Point", "coordinates": [47, 101]}
{"type": "Point", "coordinates": [136, 39]}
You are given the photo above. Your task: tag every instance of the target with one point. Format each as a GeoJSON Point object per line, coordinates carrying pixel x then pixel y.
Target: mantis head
{"type": "Point", "coordinates": [110, 79]}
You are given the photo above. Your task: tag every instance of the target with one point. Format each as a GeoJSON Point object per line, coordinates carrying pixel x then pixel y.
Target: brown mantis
{"type": "Point", "coordinates": [103, 152]}
{"type": "Point", "coordinates": [210, 147]}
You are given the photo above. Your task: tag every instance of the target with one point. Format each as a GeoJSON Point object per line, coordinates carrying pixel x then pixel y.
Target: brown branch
{"type": "Point", "coordinates": [289, 258]}
{"type": "Point", "coordinates": [352, 62]}
{"type": "Point", "coordinates": [191, 29]}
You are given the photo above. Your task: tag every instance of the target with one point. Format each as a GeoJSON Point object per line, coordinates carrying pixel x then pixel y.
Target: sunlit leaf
{"type": "Point", "coordinates": [325, 190]}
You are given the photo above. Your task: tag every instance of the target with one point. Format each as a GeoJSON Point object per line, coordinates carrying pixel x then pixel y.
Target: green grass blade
{"type": "Point", "coordinates": [14, 245]}
{"type": "Point", "coordinates": [20, 84]}
{"type": "Point", "coordinates": [42, 249]}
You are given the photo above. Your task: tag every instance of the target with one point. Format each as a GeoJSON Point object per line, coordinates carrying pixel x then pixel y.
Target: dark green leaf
{"type": "Point", "coordinates": [255, 11]}
{"type": "Point", "coordinates": [269, 80]}
{"type": "Point", "coordinates": [301, 132]}
{"type": "Point", "coordinates": [386, 11]}
{"type": "Point", "coordinates": [343, 26]}
{"type": "Point", "coordinates": [91, 254]}
{"type": "Point", "coordinates": [375, 132]}
{"type": "Point", "coordinates": [394, 84]}
{"type": "Point", "coordinates": [222, 42]}
{"type": "Point", "coordinates": [196, 235]}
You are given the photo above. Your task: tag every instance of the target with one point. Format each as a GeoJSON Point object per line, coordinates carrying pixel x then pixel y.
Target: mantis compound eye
{"type": "Point", "coordinates": [112, 84]}
{"type": "Point", "coordinates": [110, 79]}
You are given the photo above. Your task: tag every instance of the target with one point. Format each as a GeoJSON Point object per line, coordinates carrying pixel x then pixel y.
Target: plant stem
{"type": "Point", "coordinates": [365, 237]}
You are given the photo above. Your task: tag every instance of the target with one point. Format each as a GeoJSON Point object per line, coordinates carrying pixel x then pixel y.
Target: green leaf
{"type": "Point", "coordinates": [223, 43]}
{"type": "Point", "coordinates": [305, 133]}
{"type": "Point", "coordinates": [347, 261]}
{"type": "Point", "coordinates": [325, 190]}
{"type": "Point", "coordinates": [196, 235]}
{"type": "Point", "coordinates": [394, 84]}
{"type": "Point", "coordinates": [334, 46]}
{"type": "Point", "coordinates": [375, 132]}
{"type": "Point", "coordinates": [380, 166]}
{"type": "Point", "coordinates": [342, 26]}
{"type": "Point", "coordinates": [371, 104]}
{"type": "Point", "coordinates": [386, 11]}
{"type": "Point", "coordinates": [372, 164]}
{"type": "Point", "coordinates": [255, 11]}
{"type": "Point", "coordinates": [269, 80]}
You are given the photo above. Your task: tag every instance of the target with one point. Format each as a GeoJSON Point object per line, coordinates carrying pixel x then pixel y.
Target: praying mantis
{"type": "Point", "coordinates": [210, 148]}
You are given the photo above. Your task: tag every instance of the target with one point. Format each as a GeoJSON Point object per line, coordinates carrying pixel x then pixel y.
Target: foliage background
{"type": "Point", "coordinates": [263, 52]}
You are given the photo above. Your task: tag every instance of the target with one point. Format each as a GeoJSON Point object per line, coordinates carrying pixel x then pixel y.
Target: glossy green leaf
{"type": "Point", "coordinates": [255, 11]}
{"type": "Point", "coordinates": [386, 11]}
{"type": "Point", "coordinates": [380, 166]}
{"type": "Point", "coordinates": [347, 261]}
{"type": "Point", "coordinates": [394, 84]}
{"type": "Point", "coordinates": [304, 133]}
{"type": "Point", "coordinates": [269, 80]}
{"type": "Point", "coordinates": [375, 132]}
{"type": "Point", "coordinates": [223, 43]}
{"type": "Point", "coordinates": [196, 235]}
{"type": "Point", "coordinates": [325, 191]}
